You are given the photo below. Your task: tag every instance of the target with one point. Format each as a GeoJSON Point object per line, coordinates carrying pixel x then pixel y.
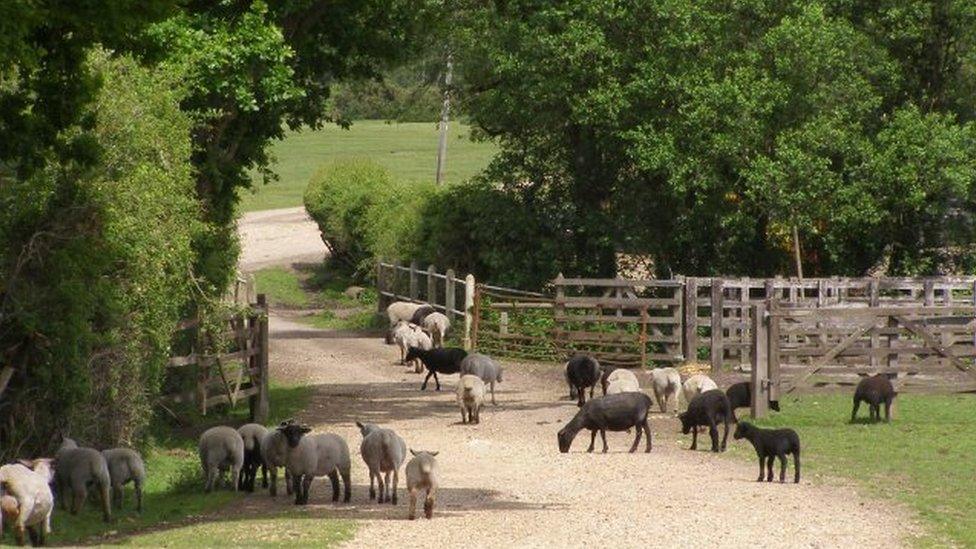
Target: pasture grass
{"type": "Point", "coordinates": [173, 493]}
{"type": "Point", "coordinates": [922, 459]}
{"type": "Point", "coordinates": [287, 529]}
{"type": "Point", "coordinates": [281, 286]}
{"type": "Point", "coordinates": [408, 150]}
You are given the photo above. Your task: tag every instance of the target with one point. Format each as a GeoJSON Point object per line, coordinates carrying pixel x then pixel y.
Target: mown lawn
{"type": "Point", "coordinates": [174, 489]}
{"type": "Point", "coordinates": [924, 458]}
{"type": "Point", "coordinates": [408, 150]}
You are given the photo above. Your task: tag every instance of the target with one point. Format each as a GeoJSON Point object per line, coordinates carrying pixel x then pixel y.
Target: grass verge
{"type": "Point", "coordinates": [288, 529]}
{"type": "Point", "coordinates": [922, 459]}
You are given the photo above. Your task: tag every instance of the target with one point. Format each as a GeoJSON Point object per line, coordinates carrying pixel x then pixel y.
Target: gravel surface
{"type": "Point", "coordinates": [278, 237]}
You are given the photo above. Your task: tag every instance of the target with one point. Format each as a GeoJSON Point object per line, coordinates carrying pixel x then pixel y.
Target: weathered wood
{"type": "Point", "coordinates": [616, 282]}
{"type": "Point", "coordinates": [718, 353]}
{"type": "Point", "coordinates": [414, 281]}
{"type": "Point", "coordinates": [450, 290]}
{"type": "Point", "coordinates": [431, 285]}
{"type": "Point", "coordinates": [690, 339]}
{"type": "Point", "coordinates": [760, 363]}
{"type": "Point", "coordinates": [469, 301]}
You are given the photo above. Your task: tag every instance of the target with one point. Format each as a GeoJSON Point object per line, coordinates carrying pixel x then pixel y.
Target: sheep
{"type": "Point", "coordinates": [408, 335]}
{"type": "Point", "coordinates": [421, 313]}
{"type": "Point", "coordinates": [76, 468]}
{"type": "Point", "coordinates": [399, 310]}
{"type": "Point", "coordinates": [444, 361]}
{"type": "Point", "coordinates": [740, 396]}
{"type": "Point", "coordinates": [422, 475]}
{"type": "Point", "coordinates": [874, 390]}
{"type": "Point", "coordinates": [26, 500]}
{"type": "Point", "coordinates": [252, 434]}
{"type": "Point", "coordinates": [470, 395]}
{"type": "Point", "coordinates": [274, 454]}
{"type": "Point", "coordinates": [769, 444]}
{"type": "Point", "coordinates": [488, 370]}
{"type": "Point", "coordinates": [437, 325]}
{"type": "Point", "coordinates": [316, 456]}
{"type": "Point", "coordinates": [583, 371]}
{"type": "Point", "coordinates": [707, 409]}
{"type": "Point", "coordinates": [221, 448]}
{"type": "Point", "coordinates": [617, 412]}
{"type": "Point", "coordinates": [621, 381]}
{"type": "Point", "coordinates": [666, 383]}
{"type": "Point", "coordinates": [384, 452]}
{"type": "Point", "coordinates": [696, 385]}
{"type": "Point", "coordinates": [125, 466]}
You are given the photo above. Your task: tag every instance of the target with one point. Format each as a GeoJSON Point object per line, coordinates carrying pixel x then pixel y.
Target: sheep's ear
{"type": "Point", "coordinates": [412, 452]}
{"type": "Point", "coordinates": [360, 425]}
{"type": "Point", "coordinates": [26, 463]}
{"type": "Point", "coordinates": [305, 428]}
{"type": "Point", "coordinates": [433, 453]}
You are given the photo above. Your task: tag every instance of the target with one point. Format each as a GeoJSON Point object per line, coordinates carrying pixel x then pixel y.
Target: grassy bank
{"type": "Point", "coordinates": [923, 458]}
{"type": "Point", "coordinates": [408, 150]}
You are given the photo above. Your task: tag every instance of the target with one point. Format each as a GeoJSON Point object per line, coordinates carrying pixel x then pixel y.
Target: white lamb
{"type": "Point", "coordinates": [408, 335]}
{"type": "Point", "coordinates": [667, 386]}
{"type": "Point", "coordinates": [696, 385]}
{"type": "Point", "coordinates": [437, 324]}
{"type": "Point", "coordinates": [622, 381]}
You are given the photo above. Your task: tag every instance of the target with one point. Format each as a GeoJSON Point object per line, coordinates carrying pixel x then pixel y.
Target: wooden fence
{"type": "Point", "coordinates": [240, 372]}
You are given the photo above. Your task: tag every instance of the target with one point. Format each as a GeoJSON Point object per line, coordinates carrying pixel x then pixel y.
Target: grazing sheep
{"type": "Point", "coordinates": [221, 448]}
{"type": "Point", "coordinates": [399, 310]}
{"type": "Point", "coordinates": [617, 412]}
{"type": "Point", "coordinates": [470, 396]}
{"type": "Point", "coordinates": [384, 452]}
{"type": "Point", "coordinates": [274, 454]}
{"type": "Point", "coordinates": [583, 371]}
{"type": "Point", "coordinates": [125, 466]}
{"type": "Point", "coordinates": [740, 396]}
{"type": "Point", "coordinates": [422, 475]}
{"type": "Point", "coordinates": [252, 434]}
{"type": "Point", "coordinates": [77, 468]}
{"type": "Point", "coordinates": [421, 313]}
{"type": "Point", "coordinates": [708, 409]}
{"type": "Point", "coordinates": [769, 444]}
{"type": "Point", "coordinates": [408, 335]}
{"type": "Point", "coordinates": [696, 385]}
{"type": "Point", "coordinates": [316, 456]}
{"type": "Point", "coordinates": [437, 325]}
{"type": "Point", "coordinates": [26, 500]}
{"type": "Point", "coordinates": [444, 361]}
{"type": "Point", "coordinates": [666, 383]}
{"type": "Point", "coordinates": [621, 381]}
{"type": "Point", "coordinates": [874, 390]}
{"type": "Point", "coordinates": [477, 364]}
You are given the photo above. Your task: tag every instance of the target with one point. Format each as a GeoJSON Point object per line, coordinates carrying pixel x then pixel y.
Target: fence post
{"type": "Point", "coordinates": [772, 334]}
{"type": "Point", "coordinates": [559, 309]}
{"type": "Point", "coordinates": [379, 288]}
{"type": "Point", "coordinates": [929, 288]}
{"type": "Point", "coordinates": [874, 299]}
{"type": "Point", "coordinates": [449, 293]}
{"type": "Point", "coordinates": [414, 280]}
{"type": "Point", "coordinates": [717, 347]}
{"type": "Point", "coordinates": [760, 364]}
{"type": "Point", "coordinates": [431, 285]}
{"type": "Point", "coordinates": [260, 411]}
{"type": "Point", "coordinates": [690, 343]}
{"type": "Point", "coordinates": [468, 310]}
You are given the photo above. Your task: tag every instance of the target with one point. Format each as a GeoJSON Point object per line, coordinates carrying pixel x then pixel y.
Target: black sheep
{"type": "Point", "coordinates": [708, 409]}
{"type": "Point", "coordinates": [617, 412]}
{"type": "Point", "coordinates": [582, 371]}
{"type": "Point", "coordinates": [445, 360]}
{"type": "Point", "coordinates": [740, 396]}
{"type": "Point", "coordinates": [420, 314]}
{"type": "Point", "coordinates": [769, 444]}
{"type": "Point", "coordinates": [874, 390]}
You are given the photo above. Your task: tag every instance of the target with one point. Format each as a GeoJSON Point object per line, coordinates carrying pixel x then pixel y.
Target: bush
{"type": "Point", "coordinates": [95, 262]}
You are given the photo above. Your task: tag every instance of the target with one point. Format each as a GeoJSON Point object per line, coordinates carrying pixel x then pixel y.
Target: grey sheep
{"type": "Point", "coordinates": [470, 396]}
{"type": "Point", "coordinates": [477, 364]}
{"type": "Point", "coordinates": [666, 383]}
{"type": "Point", "coordinates": [26, 500]}
{"type": "Point", "coordinates": [125, 466]}
{"type": "Point", "coordinates": [384, 452]}
{"type": "Point", "coordinates": [274, 454]}
{"type": "Point", "coordinates": [252, 434]}
{"type": "Point", "coordinates": [74, 470]}
{"type": "Point", "coordinates": [316, 456]}
{"type": "Point", "coordinates": [422, 475]}
{"type": "Point", "coordinates": [221, 448]}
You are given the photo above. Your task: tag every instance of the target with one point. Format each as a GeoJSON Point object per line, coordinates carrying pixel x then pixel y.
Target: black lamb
{"type": "Point", "coordinates": [740, 396]}
{"type": "Point", "coordinates": [874, 390]}
{"type": "Point", "coordinates": [582, 371]}
{"type": "Point", "coordinates": [707, 409]}
{"type": "Point", "coordinates": [421, 313]}
{"type": "Point", "coordinates": [769, 444]}
{"type": "Point", "coordinates": [445, 360]}
{"type": "Point", "coordinates": [618, 412]}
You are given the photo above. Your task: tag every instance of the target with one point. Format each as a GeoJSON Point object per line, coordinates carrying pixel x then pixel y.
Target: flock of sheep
{"type": "Point", "coordinates": [27, 501]}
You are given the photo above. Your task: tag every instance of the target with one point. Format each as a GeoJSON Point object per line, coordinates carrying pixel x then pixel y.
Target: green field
{"type": "Point", "coordinates": [408, 150]}
{"type": "Point", "coordinates": [922, 459]}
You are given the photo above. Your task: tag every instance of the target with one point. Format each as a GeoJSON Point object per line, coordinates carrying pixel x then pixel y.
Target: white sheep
{"type": "Point", "coordinates": [696, 385]}
{"type": "Point", "coordinates": [321, 455]}
{"type": "Point", "coordinates": [437, 324]}
{"type": "Point", "coordinates": [422, 475]}
{"type": "Point", "coordinates": [483, 366]}
{"type": "Point", "coordinates": [408, 335]}
{"type": "Point", "coordinates": [124, 466]}
{"type": "Point", "coordinates": [397, 311]}
{"type": "Point", "coordinates": [470, 397]}
{"type": "Point", "coordinates": [221, 448]}
{"type": "Point", "coordinates": [274, 453]}
{"type": "Point", "coordinates": [621, 381]}
{"type": "Point", "coordinates": [26, 499]}
{"type": "Point", "coordinates": [667, 385]}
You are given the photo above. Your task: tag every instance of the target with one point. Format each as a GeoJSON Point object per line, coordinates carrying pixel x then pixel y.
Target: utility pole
{"type": "Point", "coordinates": [445, 115]}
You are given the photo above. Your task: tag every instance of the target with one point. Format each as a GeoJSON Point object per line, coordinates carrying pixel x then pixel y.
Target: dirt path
{"type": "Point", "coordinates": [504, 481]}
{"type": "Point", "coordinates": [278, 237]}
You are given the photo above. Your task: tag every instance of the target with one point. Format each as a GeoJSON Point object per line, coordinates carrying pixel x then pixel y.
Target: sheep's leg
{"type": "Point", "coordinates": [288, 484]}
{"type": "Point", "coordinates": [762, 466]}
{"type": "Point", "coordinates": [662, 403]}
{"type": "Point", "coordinates": [386, 487]}
{"type": "Point", "coordinates": [603, 437]}
{"type": "Point", "coordinates": [694, 437]}
{"type": "Point", "coordinates": [637, 435]}
{"type": "Point", "coordinates": [725, 434]}
{"type": "Point", "coordinates": [437, 381]}
{"type": "Point", "coordinates": [334, 479]}
{"type": "Point", "coordinates": [429, 503]}
{"type": "Point", "coordinates": [234, 472]}
{"type": "Point", "coordinates": [381, 488]}
{"type": "Point", "coordinates": [413, 503]}
{"type": "Point", "coordinates": [137, 484]}
{"type": "Point", "coordinates": [592, 440]}
{"type": "Point", "coordinates": [464, 417]}
{"type": "Point", "coordinates": [782, 468]}
{"type": "Point", "coordinates": [493, 394]}
{"type": "Point", "coordinates": [580, 396]}
{"type": "Point", "coordinates": [396, 481]}
{"type": "Point", "coordinates": [372, 491]}
{"type": "Point", "coordinates": [306, 487]}
{"type": "Point", "coordinates": [19, 532]}
{"type": "Point", "coordinates": [347, 485]}
{"type": "Point", "coordinates": [106, 497]}
{"type": "Point", "coordinates": [296, 487]}
{"type": "Point", "coordinates": [117, 495]}
{"type": "Point", "coordinates": [647, 434]}
{"type": "Point", "coordinates": [769, 467]}
{"type": "Point", "coordinates": [211, 479]}
{"type": "Point", "coordinates": [423, 386]}
{"type": "Point", "coordinates": [796, 467]}
{"type": "Point", "coordinates": [61, 490]}
{"type": "Point", "coordinates": [36, 535]}
{"type": "Point", "coordinates": [887, 411]}
{"type": "Point", "coordinates": [857, 404]}
{"type": "Point", "coordinates": [713, 434]}
{"type": "Point", "coordinates": [79, 493]}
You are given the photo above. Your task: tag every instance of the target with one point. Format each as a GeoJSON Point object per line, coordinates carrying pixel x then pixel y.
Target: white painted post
{"type": "Point", "coordinates": [414, 280]}
{"type": "Point", "coordinates": [449, 291]}
{"type": "Point", "coordinates": [468, 310]}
